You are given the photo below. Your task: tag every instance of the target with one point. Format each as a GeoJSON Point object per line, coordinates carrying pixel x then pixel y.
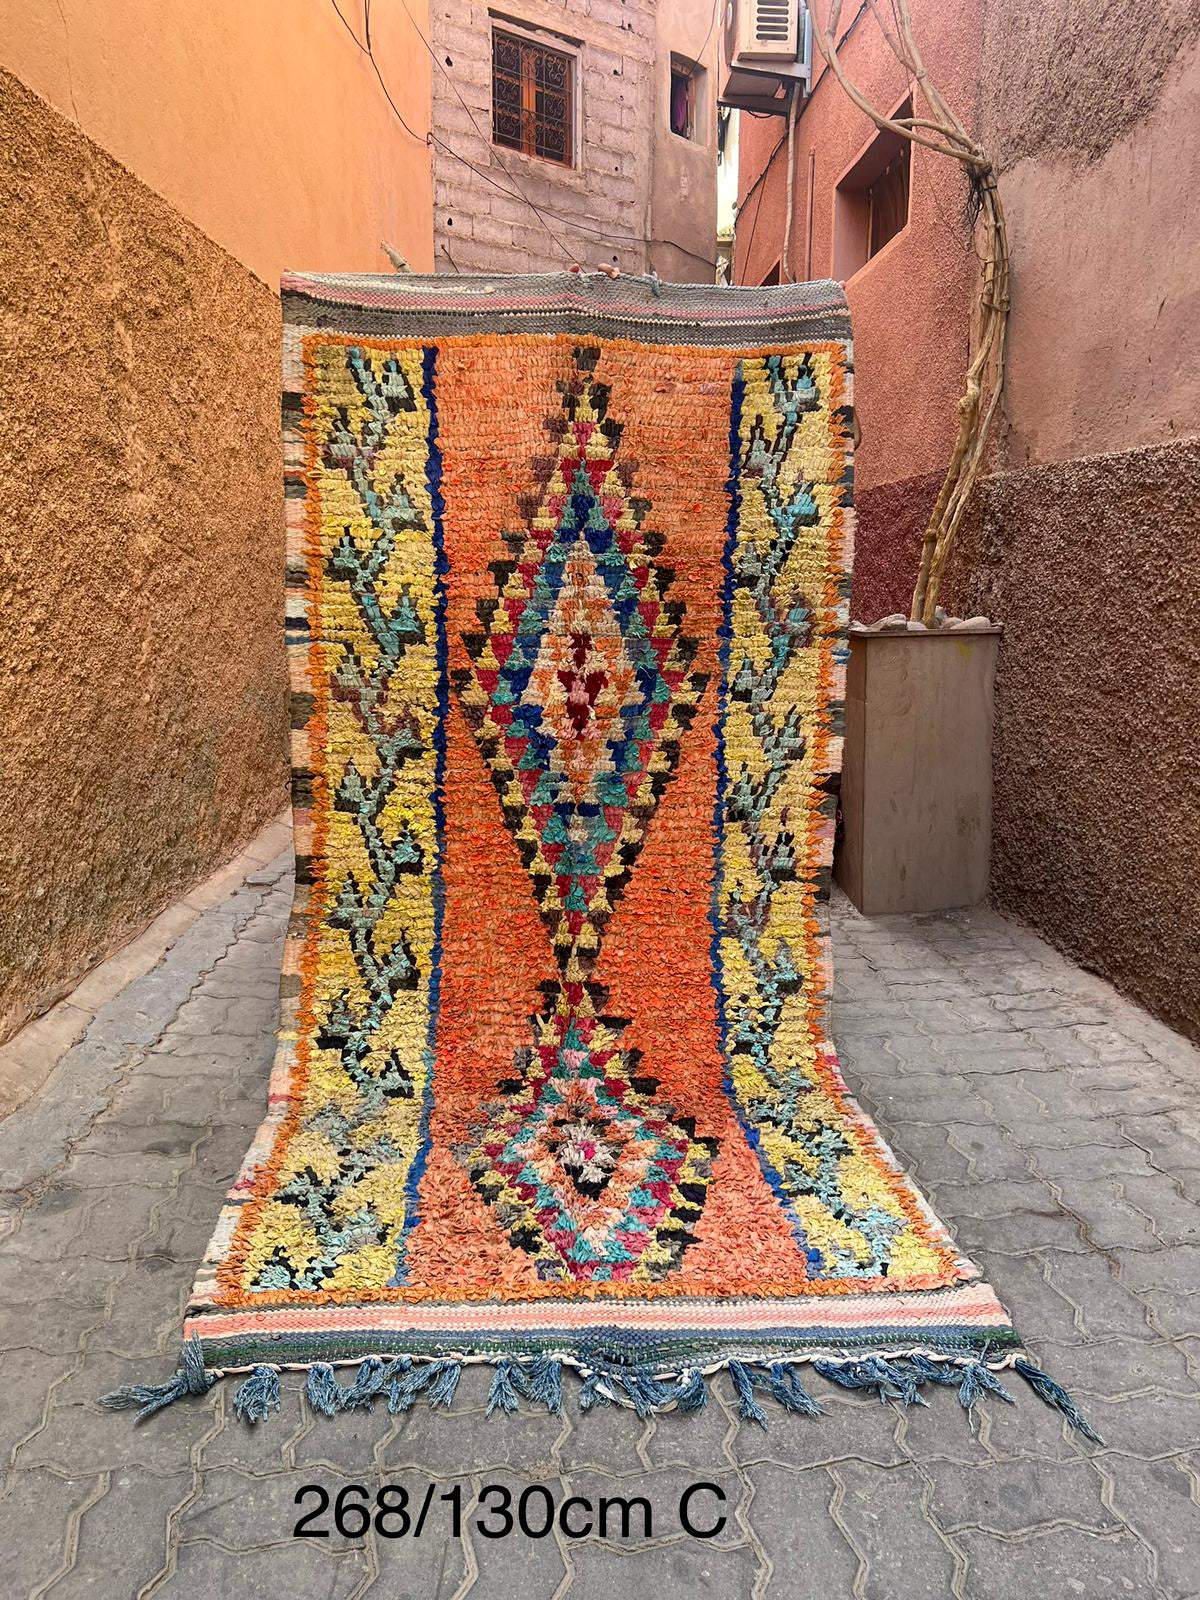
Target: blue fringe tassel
{"type": "Point", "coordinates": [944, 1372]}
{"type": "Point", "coordinates": [370, 1381]}
{"type": "Point", "coordinates": [191, 1378]}
{"type": "Point", "coordinates": [258, 1396]}
{"type": "Point", "coordinates": [444, 1376]}
{"type": "Point", "coordinates": [502, 1395]}
{"type": "Point", "coordinates": [591, 1394]}
{"type": "Point", "coordinates": [396, 1369]}
{"type": "Point", "coordinates": [1044, 1386]}
{"type": "Point", "coordinates": [692, 1391]}
{"type": "Point", "coordinates": [790, 1392]}
{"type": "Point", "coordinates": [978, 1380]}
{"type": "Point", "coordinates": [885, 1378]}
{"type": "Point", "coordinates": [539, 1379]}
{"type": "Point", "coordinates": [323, 1390]}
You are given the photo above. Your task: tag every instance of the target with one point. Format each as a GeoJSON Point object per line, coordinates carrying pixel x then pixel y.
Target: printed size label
{"type": "Point", "coordinates": [395, 1512]}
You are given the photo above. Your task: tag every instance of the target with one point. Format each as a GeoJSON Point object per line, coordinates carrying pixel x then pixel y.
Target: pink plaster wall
{"type": "Point", "coordinates": [1103, 208]}
{"type": "Point", "coordinates": [1083, 541]}
{"type": "Point", "coordinates": [911, 302]}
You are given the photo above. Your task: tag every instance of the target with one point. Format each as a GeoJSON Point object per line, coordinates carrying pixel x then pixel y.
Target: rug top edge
{"type": "Point", "coordinates": [494, 290]}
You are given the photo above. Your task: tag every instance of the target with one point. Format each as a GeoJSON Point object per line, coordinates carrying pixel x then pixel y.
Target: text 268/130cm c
{"type": "Point", "coordinates": [533, 1512]}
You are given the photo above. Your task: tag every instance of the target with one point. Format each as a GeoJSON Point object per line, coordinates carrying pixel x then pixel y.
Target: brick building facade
{"type": "Point", "coordinates": [569, 133]}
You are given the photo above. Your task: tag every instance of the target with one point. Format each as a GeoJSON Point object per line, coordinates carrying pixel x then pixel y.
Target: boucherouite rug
{"type": "Point", "coordinates": [568, 577]}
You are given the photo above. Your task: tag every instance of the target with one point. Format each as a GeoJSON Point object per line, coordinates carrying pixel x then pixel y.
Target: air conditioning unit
{"type": "Point", "coordinates": [766, 54]}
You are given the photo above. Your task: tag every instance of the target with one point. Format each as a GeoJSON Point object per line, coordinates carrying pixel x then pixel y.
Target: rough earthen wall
{"type": "Point", "coordinates": [142, 690]}
{"type": "Point", "coordinates": [1089, 552]}
{"type": "Point", "coordinates": [1094, 567]}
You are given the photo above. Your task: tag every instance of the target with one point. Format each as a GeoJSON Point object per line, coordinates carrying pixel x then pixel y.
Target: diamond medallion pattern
{"type": "Point", "coordinates": [578, 693]}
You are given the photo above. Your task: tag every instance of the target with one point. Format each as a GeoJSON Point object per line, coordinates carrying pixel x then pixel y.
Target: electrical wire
{"type": "Point", "coordinates": [712, 24]}
{"type": "Point", "coordinates": [762, 175]}
{"type": "Point", "coordinates": [764, 172]}
{"type": "Point", "coordinates": [366, 51]}
{"type": "Point", "coordinates": [503, 165]}
{"type": "Point", "coordinates": [516, 192]}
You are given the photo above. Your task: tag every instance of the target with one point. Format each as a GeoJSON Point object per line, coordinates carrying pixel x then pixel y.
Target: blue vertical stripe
{"type": "Point", "coordinates": [433, 480]}
{"type": "Point", "coordinates": [724, 643]}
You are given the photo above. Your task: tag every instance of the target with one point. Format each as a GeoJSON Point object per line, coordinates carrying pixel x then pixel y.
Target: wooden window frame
{"type": "Point", "coordinates": [698, 130]}
{"type": "Point", "coordinates": [530, 49]}
{"type": "Point", "coordinates": [855, 244]}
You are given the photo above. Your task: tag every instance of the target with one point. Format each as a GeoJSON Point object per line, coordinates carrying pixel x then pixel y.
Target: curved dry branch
{"type": "Point", "coordinates": [943, 133]}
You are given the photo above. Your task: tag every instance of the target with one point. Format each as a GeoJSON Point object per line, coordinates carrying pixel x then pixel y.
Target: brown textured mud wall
{"type": "Point", "coordinates": [1090, 551]}
{"type": "Point", "coordinates": [1094, 567]}
{"type": "Point", "coordinates": [142, 692]}
{"type": "Point", "coordinates": [889, 520]}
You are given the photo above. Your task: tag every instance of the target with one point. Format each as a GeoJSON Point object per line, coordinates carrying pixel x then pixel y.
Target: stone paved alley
{"type": "Point", "coordinates": [1054, 1126]}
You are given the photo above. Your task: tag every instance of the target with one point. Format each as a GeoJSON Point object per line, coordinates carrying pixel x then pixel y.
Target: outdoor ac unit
{"type": "Point", "coordinates": [766, 53]}
{"type": "Point", "coordinates": [767, 30]}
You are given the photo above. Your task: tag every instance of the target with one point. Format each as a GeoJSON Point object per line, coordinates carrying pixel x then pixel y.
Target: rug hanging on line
{"type": "Point", "coordinates": [568, 579]}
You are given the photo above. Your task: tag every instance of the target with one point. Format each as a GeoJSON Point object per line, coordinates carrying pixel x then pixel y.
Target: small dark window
{"type": "Point", "coordinates": [681, 104]}
{"type": "Point", "coordinates": [887, 201]}
{"type": "Point", "coordinates": [687, 114]}
{"type": "Point", "coordinates": [871, 201]}
{"type": "Point", "coordinates": [532, 97]}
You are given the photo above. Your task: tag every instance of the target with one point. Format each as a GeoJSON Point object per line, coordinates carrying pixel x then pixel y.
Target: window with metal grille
{"type": "Point", "coordinates": [532, 98]}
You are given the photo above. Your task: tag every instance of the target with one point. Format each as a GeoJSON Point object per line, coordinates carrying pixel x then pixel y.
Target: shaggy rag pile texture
{"type": "Point", "coordinates": [568, 578]}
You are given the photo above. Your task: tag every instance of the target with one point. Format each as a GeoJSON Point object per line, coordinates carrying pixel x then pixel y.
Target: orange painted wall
{"type": "Point", "coordinates": [262, 121]}
{"type": "Point", "coordinates": [163, 163]}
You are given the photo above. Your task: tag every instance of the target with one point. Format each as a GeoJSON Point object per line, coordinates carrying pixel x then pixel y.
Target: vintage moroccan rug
{"type": "Point", "coordinates": [568, 577]}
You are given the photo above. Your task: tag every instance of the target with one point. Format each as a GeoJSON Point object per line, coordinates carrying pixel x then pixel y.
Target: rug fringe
{"type": "Point", "coordinates": [193, 1377]}
{"type": "Point", "coordinates": [401, 1380]}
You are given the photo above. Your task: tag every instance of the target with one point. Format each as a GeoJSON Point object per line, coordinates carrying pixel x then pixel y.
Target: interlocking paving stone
{"type": "Point", "coordinates": [1160, 1501]}
{"type": "Point", "coordinates": [665, 1571]}
{"type": "Point", "coordinates": [240, 1510]}
{"type": "Point", "coordinates": [38, 1512]}
{"type": "Point", "coordinates": [1077, 1562]}
{"type": "Point", "coordinates": [1028, 1493]}
{"type": "Point", "coordinates": [1024, 1281]}
{"type": "Point", "coordinates": [1055, 1123]}
{"type": "Point", "coordinates": [1091, 1161]}
{"type": "Point", "coordinates": [1171, 1139]}
{"type": "Point", "coordinates": [787, 1499]}
{"type": "Point", "coordinates": [523, 1442]}
{"type": "Point", "coordinates": [983, 1201]}
{"type": "Point", "coordinates": [884, 1517]}
{"type": "Point", "coordinates": [132, 1497]}
{"type": "Point", "coordinates": [300, 1569]}
{"type": "Point", "coordinates": [1105, 1308]}
{"type": "Point", "coordinates": [1117, 1367]}
{"type": "Point", "coordinates": [856, 1427]}
{"type": "Point", "coordinates": [1173, 1315]}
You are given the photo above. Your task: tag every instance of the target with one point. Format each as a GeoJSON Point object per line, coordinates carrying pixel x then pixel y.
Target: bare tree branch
{"type": "Point", "coordinates": [980, 399]}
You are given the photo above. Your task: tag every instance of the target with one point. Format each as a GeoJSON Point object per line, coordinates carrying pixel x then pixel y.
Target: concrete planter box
{"type": "Point", "coordinates": [917, 769]}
